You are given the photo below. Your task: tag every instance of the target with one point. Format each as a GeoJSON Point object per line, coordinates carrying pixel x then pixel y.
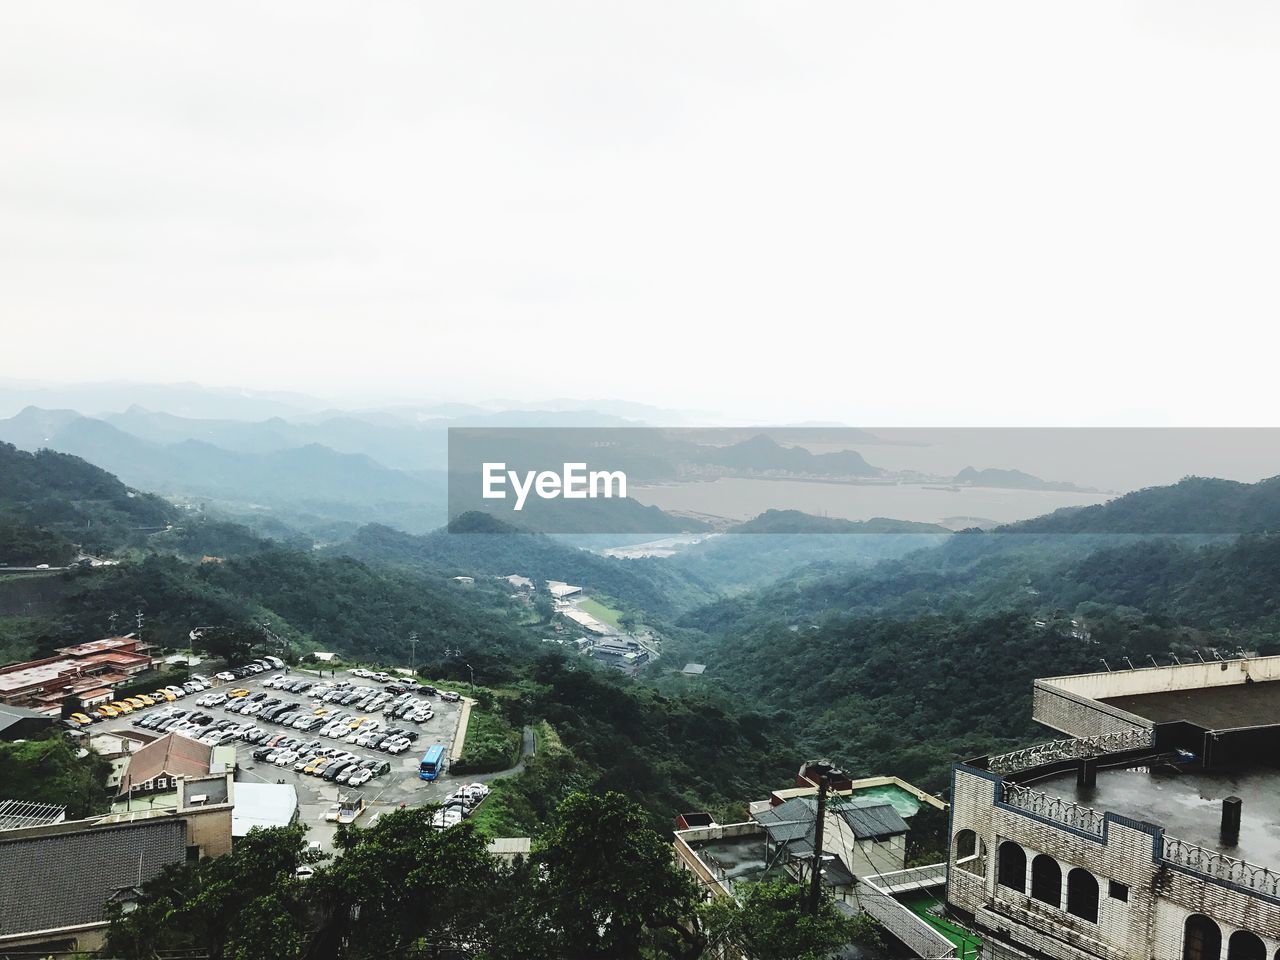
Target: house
{"type": "Point", "coordinates": [156, 767]}
{"type": "Point", "coordinates": [1151, 830]}
{"type": "Point", "coordinates": [865, 825]}
{"type": "Point", "coordinates": [561, 590]}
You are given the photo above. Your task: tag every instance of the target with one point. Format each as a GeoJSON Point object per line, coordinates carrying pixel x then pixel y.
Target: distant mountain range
{"type": "Point", "coordinates": [1013, 480]}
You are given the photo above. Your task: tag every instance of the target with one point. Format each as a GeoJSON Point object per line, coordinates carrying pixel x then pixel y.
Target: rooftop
{"type": "Point", "coordinates": [263, 805]}
{"type": "Point", "coordinates": [1214, 708]}
{"type": "Point", "coordinates": [1187, 803]}
{"type": "Point", "coordinates": [78, 872]}
{"type": "Point", "coordinates": [173, 755]}
{"type": "Point", "coordinates": [99, 646]}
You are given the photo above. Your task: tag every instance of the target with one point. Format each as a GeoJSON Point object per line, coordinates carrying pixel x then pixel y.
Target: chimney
{"type": "Point", "coordinates": [1230, 821]}
{"type": "Point", "coordinates": [1087, 773]}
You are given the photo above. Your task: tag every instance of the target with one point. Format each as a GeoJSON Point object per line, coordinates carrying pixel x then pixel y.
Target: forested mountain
{"type": "Point", "coordinates": [479, 545]}
{"type": "Point", "coordinates": [1200, 505]}
{"type": "Point", "coordinates": [58, 500]}
{"type": "Point", "coordinates": [908, 664]}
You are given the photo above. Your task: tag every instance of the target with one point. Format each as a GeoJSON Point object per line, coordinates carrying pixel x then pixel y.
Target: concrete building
{"type": "Point", "coordinates": [862, 859]}
{"type": "Point", "coordinates": [263, 805]}
{"type": "Point", "coordinates": [86, 671]}
{"type": "Point", "coordinates": [1151, 833]}
{"type": "Point", "coordinates": [57, 877]}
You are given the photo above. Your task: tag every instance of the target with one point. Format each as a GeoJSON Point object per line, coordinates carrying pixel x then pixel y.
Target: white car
{"type": "Point", "coordinates": [226, 675]}
{"type": "Point", "coordinates": [360, 777]}
{"type": "Point", "coordinates": [286, 758]}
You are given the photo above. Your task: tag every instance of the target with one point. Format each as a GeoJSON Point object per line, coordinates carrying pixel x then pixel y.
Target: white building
{"type": "Point", "coordinates": [1152, 833]}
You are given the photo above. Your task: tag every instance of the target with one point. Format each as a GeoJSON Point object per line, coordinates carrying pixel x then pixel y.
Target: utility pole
{"type": "Point", "coordinates": [413, 646]}
{"type": "Point", "coordinates": [823, 770]}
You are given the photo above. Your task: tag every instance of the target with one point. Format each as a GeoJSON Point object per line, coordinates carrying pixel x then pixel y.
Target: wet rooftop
{"type": "Point", "coordinates": [1188, 805]}
{"type": "Point", "coordinates": [1214, 708]}
{"type": "Point", "coordinates": [734, 858]}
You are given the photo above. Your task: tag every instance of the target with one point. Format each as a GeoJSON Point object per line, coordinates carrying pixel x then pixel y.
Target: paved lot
{"type": "Point", "coordinates": [399, 786]}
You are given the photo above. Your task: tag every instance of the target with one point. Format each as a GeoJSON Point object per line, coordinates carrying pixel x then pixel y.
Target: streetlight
{"type": "Point", "coordinates": [413, 646]}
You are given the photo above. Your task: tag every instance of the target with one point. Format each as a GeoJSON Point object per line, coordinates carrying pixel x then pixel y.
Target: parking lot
{"type": "Point", "coordinates": [400, 785]}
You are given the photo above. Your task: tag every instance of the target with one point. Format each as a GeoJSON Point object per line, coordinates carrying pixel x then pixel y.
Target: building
{"type": "Point", "coordinates": [864, 831]}
{"type": "Point", "coordinates": [19, 723]}
{"type": "Point", "coordinates": [86, 671]}
{"type": "Point", "coordinates": [263, 805]}
{"type": "Point", "coordinates": [620, 653]}
{"type": "Point", "coordinates": [57, 877]}
{"type": "Point", "coordinates": [157, 767]}
{"type": "Point", "coordinates": [561, 590]}
{"type": "Point", "coordinates": [1152, 832]}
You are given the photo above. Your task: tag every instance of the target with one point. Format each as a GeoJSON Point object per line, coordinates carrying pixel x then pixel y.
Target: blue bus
{"type": "Point", "coordinates": [432, 764]}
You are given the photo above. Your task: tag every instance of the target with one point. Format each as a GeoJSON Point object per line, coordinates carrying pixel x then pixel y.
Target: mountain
{"type": "Point", "coordinates": [1195, 505]}
{"type": "Point", "coordinates": [763, 454]}
{"type": "Point", "coordinates": [182, 399]}
{"type": "Point", "coordinates": [797, 522]}
{"type": "Point", "coordinates": [73, 500]}
{"type": "Point", "coordinates": [1012, 480]}
{"type": "Point", "coordinates": [310, 477]}
{"type": "Point", "coordinates": [479, 545]}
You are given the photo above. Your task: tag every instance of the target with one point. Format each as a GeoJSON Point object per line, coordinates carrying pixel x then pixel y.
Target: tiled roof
{"type": "Point", "coordinates": [64, 879]}
{"type": "Point", "coordinates": [172, 755]}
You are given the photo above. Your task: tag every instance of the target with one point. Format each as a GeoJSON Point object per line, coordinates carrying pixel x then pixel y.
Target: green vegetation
{"type": "Point", "coordinates": [401, 888]}
{"type": "Point", "coordinates": [773, 923]}
{"type": "Point", "coordinates": [598, 610]}
{"type": "Point", "coordinates": [492, 743]}
{"type": "Point", "coordinates": [48, 771]}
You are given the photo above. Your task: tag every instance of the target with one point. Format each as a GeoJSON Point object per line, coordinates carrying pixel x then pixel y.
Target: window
{"type": "Point", "coordinates": [970, 853]}
{"type": "Point", "coordinates": [1118, 891]}
{"type": "Point", "coordinates": [1244, 945]}
{"type": "Point", "coordinates": [1082, 895]}
{"type": "Point", "coordinates": [1046, 880]}
{"type": "Point", "coordinates": [1201, 938]}
{"type": "Point", "coordinates": [1013, 867]}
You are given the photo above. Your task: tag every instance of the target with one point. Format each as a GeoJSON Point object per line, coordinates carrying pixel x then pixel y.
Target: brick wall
{"type": "Point", "coordinates": [1146, 927]}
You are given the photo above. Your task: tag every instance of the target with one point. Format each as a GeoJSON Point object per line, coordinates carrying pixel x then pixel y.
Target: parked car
{"type": "Point", "coordinates": [451, 696]}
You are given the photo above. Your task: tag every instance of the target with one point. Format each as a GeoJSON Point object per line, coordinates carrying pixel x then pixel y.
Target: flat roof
{"type": "Point", "coordinates": [1188, 805]}
{"type": "Point", "coordinates": [263, 805]}
{"type": "Point", "coordinates": [1214, 708]}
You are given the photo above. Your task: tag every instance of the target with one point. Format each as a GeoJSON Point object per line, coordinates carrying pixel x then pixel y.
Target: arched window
{"type": "Point", "coordinates": [1013, 867]}
{"type": "Point", "coordinates": [1082, 895]}
{"type": "Point", "coordinates": [1201, 938]}
{"type": "Point", "coordinates": [1046, 880]}
{"type": "Point", "coordinates": [970, 853]}
{"type": "Point", "coordinates": [1244, 945]}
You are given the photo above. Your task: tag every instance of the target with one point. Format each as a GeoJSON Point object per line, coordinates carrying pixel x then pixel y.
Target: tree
{"type": "Point", "coordinates": [49, 771]}
{"type": "Point", "coordinates": [403, 885]}
{"type": "Point", "coordinates": [232, 644]}
{"type": "Point", "coordinates": [772, 922]}
{"type": "Point", "coordinates": [247, 905]}
{"type": "Point", "coordinates": [607, 887]}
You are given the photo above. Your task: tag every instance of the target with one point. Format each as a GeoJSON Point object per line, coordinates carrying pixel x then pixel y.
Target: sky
{"type": "Point", "coordinates": [891, 213]}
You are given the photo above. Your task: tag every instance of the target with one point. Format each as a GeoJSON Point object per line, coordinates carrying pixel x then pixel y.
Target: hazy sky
{"type": "Point", "coordinates": [877, 212]}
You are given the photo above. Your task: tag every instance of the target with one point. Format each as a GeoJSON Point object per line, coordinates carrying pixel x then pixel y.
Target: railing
{"type": "Point", "coordinates": [1074, 749]}
{"type": "Point", "coordinates": [1220, 866]}
{"type": "Point", "coordinates": [1067, 812]}
{"type": "Point", "coordinates": [903, 923]}
{"type": "Point", "coordinates": [912, 878]}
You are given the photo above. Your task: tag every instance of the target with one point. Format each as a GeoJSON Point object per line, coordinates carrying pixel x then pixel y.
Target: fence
{"type": "Point", "coordinates": [1074, 749]}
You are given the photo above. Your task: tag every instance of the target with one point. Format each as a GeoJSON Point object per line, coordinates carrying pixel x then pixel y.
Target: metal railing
{"type": "Point", "coordinates": [1074, 749]}
{"type": "Point", "coordinates": [1067, 812]}
{"type": "Point", "coordinates": [1220, 866]}
{"type": "Point", "coordinates": [901, 921]}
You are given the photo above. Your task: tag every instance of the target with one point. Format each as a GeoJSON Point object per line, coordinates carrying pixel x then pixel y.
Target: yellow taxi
{"type": "Point", "coordinates": [108, 711]}
{"type": "Point", "coordinates": [82, 719]}
{"type": "Point", "coordinates": [241, 692]}
{"type": "Point", "coordinates": [147, 700]}
{"type": "Point", "coordinates": [121, 706]}
{"type": "Point", "coordinates": [134, 702]}
{"type": "Point", "coordinates": [164, 695]}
